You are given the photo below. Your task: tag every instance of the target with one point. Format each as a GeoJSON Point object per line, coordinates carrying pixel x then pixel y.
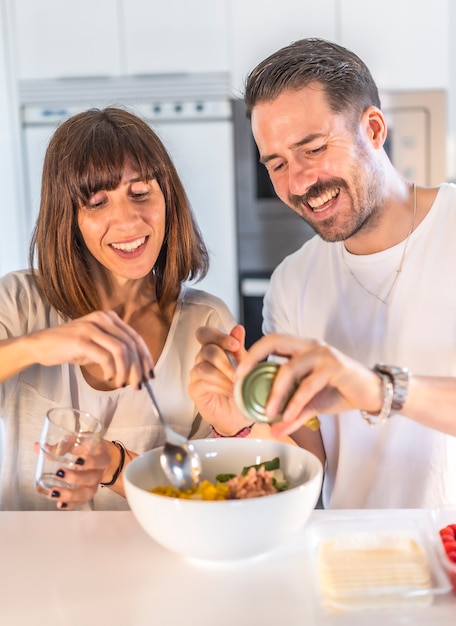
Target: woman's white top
{"type": "Point", "coordinates": [126, 413]}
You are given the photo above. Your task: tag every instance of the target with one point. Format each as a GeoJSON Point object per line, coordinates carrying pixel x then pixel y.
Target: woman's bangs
{"type": "Point", "coordinates": [100, 166]}
{"type": "Point", "coordinates": [104, 166]}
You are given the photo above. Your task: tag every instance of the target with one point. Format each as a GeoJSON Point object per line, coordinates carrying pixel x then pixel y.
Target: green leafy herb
{"type": "Point", "coordinates": [268, 465]}
{"type": "Point", "coordinates": [224, 478]}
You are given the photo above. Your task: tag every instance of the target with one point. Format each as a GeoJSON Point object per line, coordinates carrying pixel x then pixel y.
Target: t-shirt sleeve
{"type": "Point", "coordinates": [22, 309]}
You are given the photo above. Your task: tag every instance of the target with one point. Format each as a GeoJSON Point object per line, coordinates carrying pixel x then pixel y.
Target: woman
{"type": "Point", "coordinates": [105, 308]}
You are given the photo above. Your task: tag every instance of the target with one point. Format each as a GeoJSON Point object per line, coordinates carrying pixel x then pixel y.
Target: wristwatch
{"type": "Point", "coordinates": [400, 378]}
{"type": "Point", "coordinates": [385, 411]}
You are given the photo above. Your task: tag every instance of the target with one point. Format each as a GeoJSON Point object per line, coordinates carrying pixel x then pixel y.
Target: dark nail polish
{"type": "Point", "coordinates": [60, 473]}
{"type": "Point", "coordinates": [151, 374]}
{"type": "Point", "coordinates": [79, 461]}
{"type": "Point", "coordinates": [139, 386]}
{"type": "Point", "coordinates": [63, 505]}
{"type": "Point", "coordinates": [124, 384]}
{"type": "Point", "coordinates": [55, 493]}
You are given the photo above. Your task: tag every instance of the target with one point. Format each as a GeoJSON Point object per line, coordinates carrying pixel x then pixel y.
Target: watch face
{"type": "Point", "coordinates": [392, 370]}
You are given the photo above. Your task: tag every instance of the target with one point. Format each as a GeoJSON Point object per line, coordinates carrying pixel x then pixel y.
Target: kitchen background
{"type": "Point", "coordinates": [181, 65]}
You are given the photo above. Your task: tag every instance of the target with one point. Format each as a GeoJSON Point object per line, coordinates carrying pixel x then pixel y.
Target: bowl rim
{"type": "Point", "coordinates": [316, 471]}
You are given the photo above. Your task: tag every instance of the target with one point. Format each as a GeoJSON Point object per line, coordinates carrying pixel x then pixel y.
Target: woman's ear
{"type": "Point", "coordinates": [375, 126]}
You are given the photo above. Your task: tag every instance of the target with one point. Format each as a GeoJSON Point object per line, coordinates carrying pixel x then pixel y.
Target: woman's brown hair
{"type": "Point", "coordinates": [86, 154]}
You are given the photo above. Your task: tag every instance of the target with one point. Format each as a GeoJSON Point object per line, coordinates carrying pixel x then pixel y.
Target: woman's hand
{"type": "Point", "coordinates": [99, 338]}
{"type": "Point", "coordinates": [331, 382]}
{"type": "Point", "coordinates": [213, 375]}
{"type": "Point", "coordinates": [85, 477]}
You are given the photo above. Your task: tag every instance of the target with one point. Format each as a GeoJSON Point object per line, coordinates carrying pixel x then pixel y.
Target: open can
{"type": "Point", "coordinates": [251, 394]}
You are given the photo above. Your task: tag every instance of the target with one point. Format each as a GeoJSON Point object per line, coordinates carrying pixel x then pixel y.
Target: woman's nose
{"type": "Point", "coordinates": [126, 210]}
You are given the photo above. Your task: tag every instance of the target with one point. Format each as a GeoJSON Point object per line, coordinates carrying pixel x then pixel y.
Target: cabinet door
{"type": "Point", "coordinates": [405, 44]}
{"type": "Point", "coordinates": [175, 36]}
{"type": "Point", "coordinates": [57, 38]}
{"type": "Point", "coordinates": [259, 28]}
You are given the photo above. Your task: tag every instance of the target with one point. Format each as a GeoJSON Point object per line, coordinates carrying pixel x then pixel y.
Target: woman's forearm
{"type": "Point", "coordinates": [15, 356]}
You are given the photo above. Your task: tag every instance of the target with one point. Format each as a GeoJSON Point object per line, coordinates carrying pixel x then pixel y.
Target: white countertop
{"type": "Point", "coordinates": [96, 568]}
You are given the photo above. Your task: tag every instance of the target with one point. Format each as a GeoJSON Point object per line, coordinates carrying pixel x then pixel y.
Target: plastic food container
{"type": "Point", "coordinates": [441, 518]}
{"type": "Point", "coordinates": [373, 563]}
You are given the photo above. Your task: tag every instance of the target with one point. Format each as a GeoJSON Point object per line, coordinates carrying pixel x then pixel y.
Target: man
{"type": "Point", "coordinates": [375, 286]}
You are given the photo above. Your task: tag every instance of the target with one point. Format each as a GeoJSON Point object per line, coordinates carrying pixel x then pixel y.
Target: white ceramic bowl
{"type": "Point", "coordinates": [226, 529]}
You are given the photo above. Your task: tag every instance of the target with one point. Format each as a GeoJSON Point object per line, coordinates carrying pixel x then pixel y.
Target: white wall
{"type": "Point", "coordinates": [12, 244]}
{"type": "Point", "coordinates": [451, 116]}
{"type": "Point", "coordinates": [408, 44]}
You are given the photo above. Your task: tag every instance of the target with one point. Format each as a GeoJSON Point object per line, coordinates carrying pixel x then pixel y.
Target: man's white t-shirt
{"type": "Point", "coordinates": [314, 294]}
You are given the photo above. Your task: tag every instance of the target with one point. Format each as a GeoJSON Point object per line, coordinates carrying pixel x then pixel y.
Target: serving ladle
{"type": "Point", "coordinates": [179, 459]}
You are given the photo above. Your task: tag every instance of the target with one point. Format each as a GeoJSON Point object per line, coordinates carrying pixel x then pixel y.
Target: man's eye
{"type": "Point", "coordinates": [316, 150]}
{"type": "Point", "coordinates": [276, 167]}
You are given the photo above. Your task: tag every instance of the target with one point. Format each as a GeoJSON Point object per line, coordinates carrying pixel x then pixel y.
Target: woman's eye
{"type": "Point", "coordinates": [96, 203]}
{"type": "Point", "coordinates": [140, 191]}
{"type": "Point", "coordinates": [140, 195]}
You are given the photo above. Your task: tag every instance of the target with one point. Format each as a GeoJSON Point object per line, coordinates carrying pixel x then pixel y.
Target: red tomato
{"type": "Point", "coordinates": [449, 546]}
{"type": "Point", "coordinates": [446, 534]}
{"type": "Point", "coordinates": [452, 555]}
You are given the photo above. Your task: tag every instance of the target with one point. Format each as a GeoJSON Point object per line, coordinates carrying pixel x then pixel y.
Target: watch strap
{"type": "Point", "coordinates": [400, 378]}
{"type": "Point", "coordinates": [385, 411]}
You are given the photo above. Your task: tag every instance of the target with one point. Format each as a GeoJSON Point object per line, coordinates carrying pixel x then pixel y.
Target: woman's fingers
{"type": "Point", "coordinates": [220, 349]}
{"type": "Point", "coordinates": [212, 377]}
{"type": "Point", "coordinates": [126, 357]}
{"type": "Point", "coordinates": [100, 338]}
{"type": "Point", "coordinates": [84, 478]}
{"type": "Point", "coordinates": [206, 379]}
{"type": "Point", "coordinates": [138, 346]}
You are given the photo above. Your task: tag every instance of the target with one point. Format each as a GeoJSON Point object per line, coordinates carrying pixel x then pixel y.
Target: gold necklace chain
{"type": "Point", "coordinates": [385, 300]}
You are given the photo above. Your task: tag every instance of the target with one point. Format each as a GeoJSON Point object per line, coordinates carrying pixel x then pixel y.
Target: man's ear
{"type": "Point", "coordinates": [375, 126]}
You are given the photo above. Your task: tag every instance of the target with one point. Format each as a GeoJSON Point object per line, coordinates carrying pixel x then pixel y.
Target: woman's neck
{"type": "Point", "coordinates": [122, 295]}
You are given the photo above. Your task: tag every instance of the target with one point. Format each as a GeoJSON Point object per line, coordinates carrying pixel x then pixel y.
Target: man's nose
{"type": "Point", "coordinates": [301, 176]}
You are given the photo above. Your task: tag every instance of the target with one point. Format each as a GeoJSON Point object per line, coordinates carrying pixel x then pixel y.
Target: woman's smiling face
{"type": "Point", "coordinates": [124, 228]}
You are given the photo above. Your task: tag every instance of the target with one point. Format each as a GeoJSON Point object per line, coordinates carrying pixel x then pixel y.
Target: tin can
{"type": "Point", "coordinates": [252, 392]}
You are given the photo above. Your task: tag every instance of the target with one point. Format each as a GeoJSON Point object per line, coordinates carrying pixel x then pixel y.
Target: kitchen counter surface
{"type": "Point", "coordinates": [93, 568]}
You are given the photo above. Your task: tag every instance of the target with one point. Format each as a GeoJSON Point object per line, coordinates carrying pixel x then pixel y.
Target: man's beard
{"type": "Point", "coordinates": [328, 229]}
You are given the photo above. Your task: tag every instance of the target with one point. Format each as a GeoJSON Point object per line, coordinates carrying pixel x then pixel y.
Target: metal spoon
{"type": "Point", "coordinates": [179, 459]}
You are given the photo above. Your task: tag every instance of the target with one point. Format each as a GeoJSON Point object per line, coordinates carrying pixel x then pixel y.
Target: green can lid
{"type": "Point", "coordinates": [252, 392]}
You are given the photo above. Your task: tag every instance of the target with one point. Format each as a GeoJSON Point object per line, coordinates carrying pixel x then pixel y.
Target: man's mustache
{"type": "Point", "coordinates": [317, 190]}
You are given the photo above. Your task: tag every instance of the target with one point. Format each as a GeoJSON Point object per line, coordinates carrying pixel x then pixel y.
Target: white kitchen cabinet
{"type": "Point", "coordinates": [405, 43]}
{"type": "Point", "coordinates": [258, 28]}
{"type": "Point", "coordinates": [175, 36]}
{"type": "Point", "coordinates": [56, 38]}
